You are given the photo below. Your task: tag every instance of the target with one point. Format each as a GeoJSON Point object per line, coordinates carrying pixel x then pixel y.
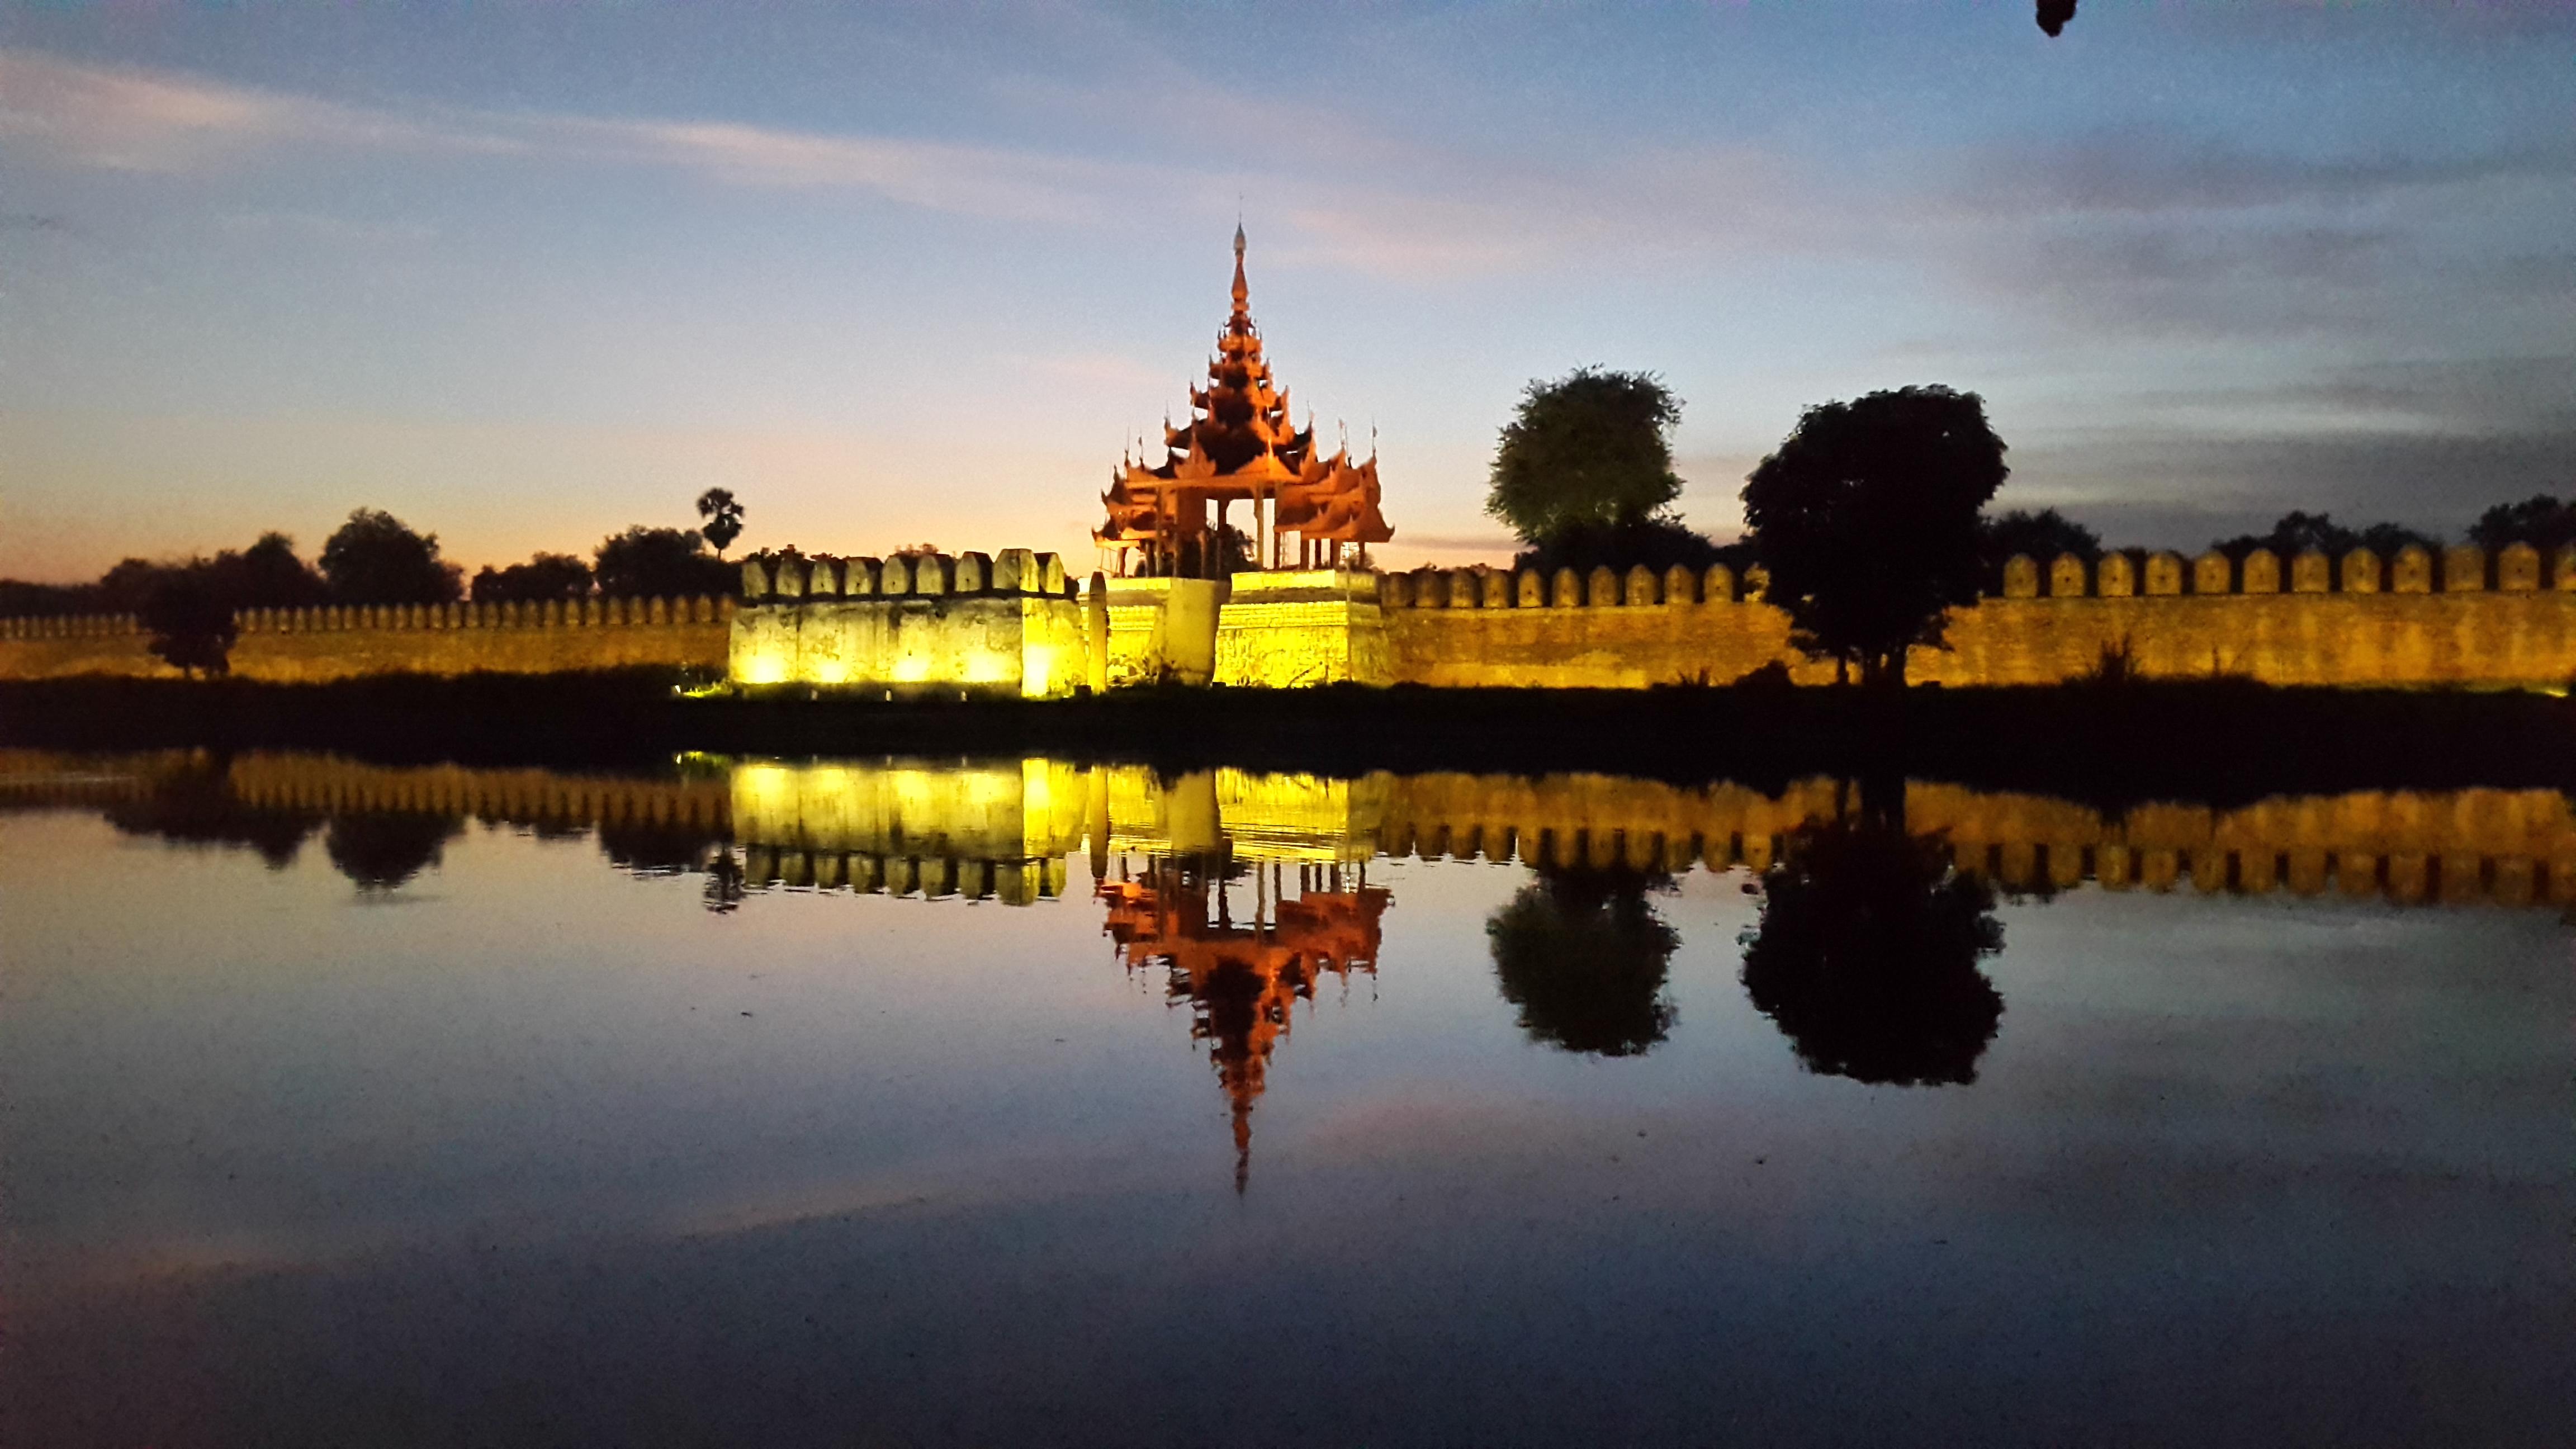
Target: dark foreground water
{"type": "Point", "coordinates": [1014, 1103]}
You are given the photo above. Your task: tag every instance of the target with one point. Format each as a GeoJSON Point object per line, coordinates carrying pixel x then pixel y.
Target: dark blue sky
{"type": "Point", "coordinates": [525, 275]}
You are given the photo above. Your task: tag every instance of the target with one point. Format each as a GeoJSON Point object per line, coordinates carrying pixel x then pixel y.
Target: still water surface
{"type": "Point", "coordinates": [1015, 1102]}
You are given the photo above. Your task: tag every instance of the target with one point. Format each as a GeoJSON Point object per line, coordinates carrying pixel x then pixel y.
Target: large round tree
{"type": "Point", "coordinates": [375, 558]}
{"type": "Point", "coordinates": [1584, 474]}
{"type": "Point", "coordinates": [1866, 520]}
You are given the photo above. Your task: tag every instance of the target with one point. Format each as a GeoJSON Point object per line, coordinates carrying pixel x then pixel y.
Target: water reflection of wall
{"type": "Point", "coordinates": [1245, 890]}
{"type": "Point", "coordinates": [2506, 847]}
{"type": "Point", "coordinates": [380, 825]}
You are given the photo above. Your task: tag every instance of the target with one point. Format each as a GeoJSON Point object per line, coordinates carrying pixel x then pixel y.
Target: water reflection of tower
{"type": "Point", "coordinates": [1241, 979]}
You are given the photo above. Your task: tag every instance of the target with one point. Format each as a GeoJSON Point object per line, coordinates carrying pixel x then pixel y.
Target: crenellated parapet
{"type": "Point", "coordinates": [788, 577]}
{"type": "Point", "coordinates": [344, 641]}
{"type": "Point", "coordinates": [920, 625]}
{"type": "Point", "coordinates": [70, 626]}
{"type": "Point", "coordinates": [591, 613]}
{"type": "Point", "coordinates": [2460, 569]}
{"type": "Point", "coordinates": [1601, 588]}
{"type": "Point", "coordinates": [2458, 616]}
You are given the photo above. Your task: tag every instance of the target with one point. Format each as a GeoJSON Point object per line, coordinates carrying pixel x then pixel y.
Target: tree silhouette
{"type": "Point", "coordinates": [543, 576]}
{"type": "Point", "coordinates": [381, 852]}
{"type": "Point", "coordinates": [2053, 15]}
{"type": "Point", "coordinates": [1583, 955]}
{"type": "Point", "coordinates": [2040, 536]}
{"type": "Point", "coordinates": [375, 558]}
{"type": "Point", "coordinates": [660, 563]}
{"type": "Point", "coordinates": [190, 621]}
{"type": "Point", "coordinates": [2540, 520]}
{"type": "Point", "coordinates": [723, 518]}
{"type": "Point", "coordinates": [725, 882]}
{"type": "Point", "coordinates": [1866, 955]}
{"type": "Point", "coordinates": [1867, 520]}
{"type": "Point", "coordinates": [2295, 533]}
{"type": "Point", "coordinates": [269, 575]}
{"type": "Point", "coordinates": [1586, 465]}
{"type": "Point", "coordinates": [196, 806]}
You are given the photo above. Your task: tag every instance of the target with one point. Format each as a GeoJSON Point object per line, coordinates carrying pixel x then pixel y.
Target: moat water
{"type": "Point", "coordinates": [1013, 1102]}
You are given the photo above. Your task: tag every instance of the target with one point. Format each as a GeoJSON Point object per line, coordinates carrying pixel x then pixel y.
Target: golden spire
{"type": "Point", "coordinates": [1242, 293]}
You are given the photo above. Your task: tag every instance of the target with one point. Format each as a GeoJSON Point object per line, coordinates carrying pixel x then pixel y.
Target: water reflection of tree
{"type": "Point", "coordinates": [383, 852]}
{"type": "Point", "coordinates": [659, 847]}
{"type": "Point", "coordinates": [726, 882]}
{"type": "Point", "coordinates": [196, 806]}
{"type": "Point", "coordinates": [1866, 955]}
{"type": "Point", "coordinates": [1583, 955]}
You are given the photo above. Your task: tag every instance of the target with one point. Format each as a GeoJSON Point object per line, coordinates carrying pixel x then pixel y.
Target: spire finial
{"type": "Point", "coordinates": [1242, 293]}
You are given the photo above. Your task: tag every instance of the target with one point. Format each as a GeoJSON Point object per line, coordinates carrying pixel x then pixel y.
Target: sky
{"type": "Point", "coordinates": [527, 274]}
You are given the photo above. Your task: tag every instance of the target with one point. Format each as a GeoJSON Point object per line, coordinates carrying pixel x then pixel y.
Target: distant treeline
{"type": "Point", "coordinates": [2546, 523]}
{"type": "Point", "coordinates": [375, 558]}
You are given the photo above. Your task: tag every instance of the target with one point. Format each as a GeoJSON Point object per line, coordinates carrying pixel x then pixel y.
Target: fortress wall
{"type": "Point", "coordinates": [2359, 621]}
{"type": "Point", "coordinates": [1009, 623]}
{"type": "Point", "coordinates": [1163, 629]}
{"type": "Point", "coordinates": [1005, 624]}
{"type": "Point", "coordinates": [311, 646]}
{"type": "Point", "coordinates": [2330, 639]}
{"type": "Point", "coordinates": [1624, 647]}
{"type": "Point", "coordinates": [1288, 629]}
{"type": "Point", "coordinates": [84, 644]}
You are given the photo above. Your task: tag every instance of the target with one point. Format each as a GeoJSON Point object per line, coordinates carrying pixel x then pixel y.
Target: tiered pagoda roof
{"type": "Point", "coordinates": [1240, 444]}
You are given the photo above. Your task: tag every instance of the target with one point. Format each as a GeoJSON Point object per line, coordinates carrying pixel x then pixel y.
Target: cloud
{"type": "Point", "coordinates": [2155, 171]}
{"type": "Point", "coordinates": [2498, 396]}
{"type": "Point", "coordinates": [933, 175]}
{"type": "Point", "coordinates": [1424, 212]}
{"type": "Point", "coordinates": [130, 120]}
{"type": "Point", "coordinates": [2157, 278]}
{"type": "Point", "coordinates": [328, 228]}
{"type": "Point", "coordinates": [2150, 232]}
{"type": "Point", "coordinates": [2179, 489]}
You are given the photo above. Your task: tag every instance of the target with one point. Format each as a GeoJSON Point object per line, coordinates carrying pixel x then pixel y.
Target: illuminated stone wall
{"type": "Point", "coordinates": [1290, 629]}
{"type": "Point", "coordinates": [312, 646]}
{"type": "Point", "coordinates": [1011, 625]}
{"type": "Point", "coordinates": [911, 626]}
{"type": "Point", "coordinates": [53, 648]}
{"type": "Point", "coordinates": [1162, 631]}
{"type": "Point", "coordinates": [2359, 620]}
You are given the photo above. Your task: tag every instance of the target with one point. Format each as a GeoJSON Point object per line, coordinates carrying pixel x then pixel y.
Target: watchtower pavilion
{"type": "Point", "coordinates": [1240, 445]}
